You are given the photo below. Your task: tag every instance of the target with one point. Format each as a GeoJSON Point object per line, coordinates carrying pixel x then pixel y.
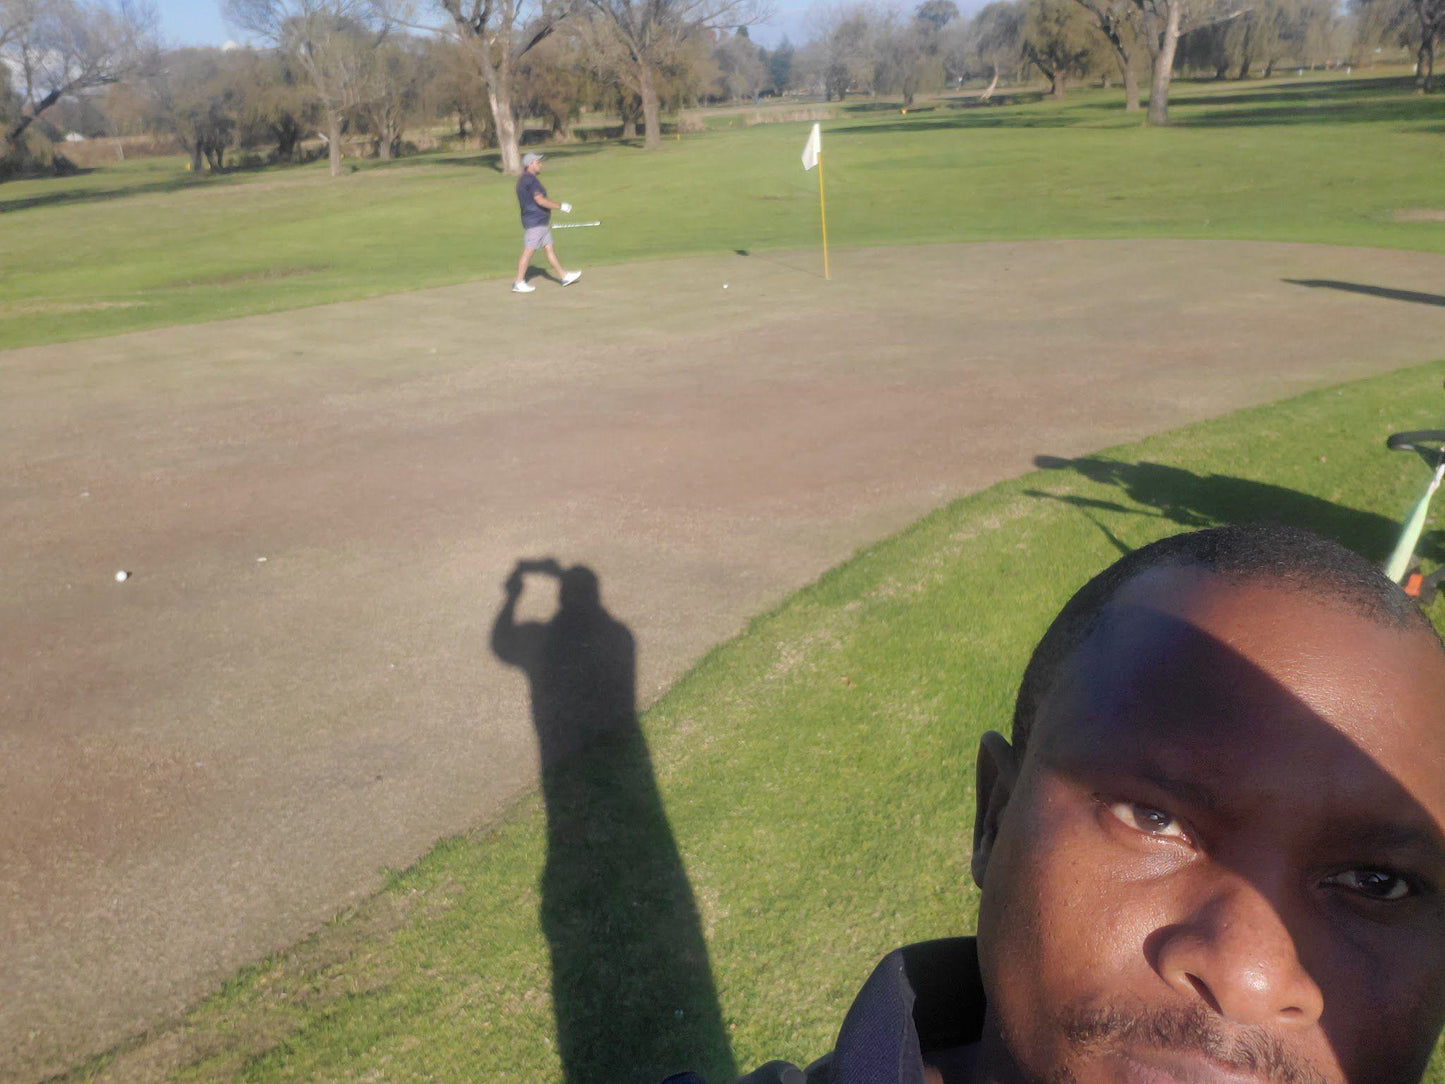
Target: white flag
{"type": "Point", "coordinates": [813, 148]}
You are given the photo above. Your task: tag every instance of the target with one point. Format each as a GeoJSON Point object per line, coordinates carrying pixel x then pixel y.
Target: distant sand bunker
{"type": "Point", "coordinates": [40, 305]}
{"type": "Point", "coordinates": [1420, 214]}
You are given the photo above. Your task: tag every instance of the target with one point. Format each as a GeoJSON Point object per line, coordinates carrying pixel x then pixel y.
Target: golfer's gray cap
{"type": "Point", "coordinates": [529, 158]}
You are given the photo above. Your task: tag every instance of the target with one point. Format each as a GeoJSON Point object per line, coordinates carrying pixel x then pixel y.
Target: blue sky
{"type": "Point", "coordinates": [199, 22]}
{"type": "Point", "coordinates": [192, 22]}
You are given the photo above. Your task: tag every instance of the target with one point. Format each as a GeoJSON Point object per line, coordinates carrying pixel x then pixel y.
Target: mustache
{"type": "Point", "coordinates": [1191, 1031]}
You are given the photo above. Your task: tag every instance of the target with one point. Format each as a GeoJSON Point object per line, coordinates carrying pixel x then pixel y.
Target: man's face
{"type": "Point", "coordinates": [1221, 856]}
{"type": "Point", "coordinates": [535, 168]}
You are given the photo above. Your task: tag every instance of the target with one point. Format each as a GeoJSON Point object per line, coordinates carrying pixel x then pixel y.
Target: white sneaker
{"type": "Point", "coordinates": [523, 288]}
{"type": "Point", "coordinates": [570, 277]}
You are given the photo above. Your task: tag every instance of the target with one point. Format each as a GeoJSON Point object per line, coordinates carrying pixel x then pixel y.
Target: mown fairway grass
{"type": "Point", "coordinates": [815, 774]}
{"type": "Point", "coordinates": [146, 244]}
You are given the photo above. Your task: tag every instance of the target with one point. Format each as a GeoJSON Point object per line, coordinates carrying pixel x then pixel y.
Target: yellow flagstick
{"type": "Point", "coordinates": [823, 210]}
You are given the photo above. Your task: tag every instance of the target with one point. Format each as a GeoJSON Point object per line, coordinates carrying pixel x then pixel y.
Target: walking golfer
{"type": "Point", "coordinates": [536, 225]}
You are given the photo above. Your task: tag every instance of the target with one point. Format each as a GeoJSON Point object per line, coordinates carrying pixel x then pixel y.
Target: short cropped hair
{"type": "Point", "coordinates": [1288, 557]}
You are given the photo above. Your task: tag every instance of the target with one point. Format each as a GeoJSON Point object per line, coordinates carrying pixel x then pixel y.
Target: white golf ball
{"type": "Point", "coordinates": [725, 286]}
{"type": "Point", "coordinates": [122, 576]}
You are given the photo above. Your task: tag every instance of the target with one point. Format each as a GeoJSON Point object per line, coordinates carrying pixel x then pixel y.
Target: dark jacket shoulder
{"type": "Point", "coordinates": [920, 998]}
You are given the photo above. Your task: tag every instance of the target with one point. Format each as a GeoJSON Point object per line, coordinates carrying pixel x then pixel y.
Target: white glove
{"type": "Point", "coordinates": [566, 208]}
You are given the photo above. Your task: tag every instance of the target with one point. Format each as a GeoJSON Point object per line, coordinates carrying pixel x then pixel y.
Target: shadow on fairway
{"type": "Point", "coordinates": [982, 117]}
{"type": "Point", "coordinates": [1372, 291]}
{"type": "Point", "coordinates": [1207, 500]}
{"type": "Point", "coordinates": [492, 160]}
{"type": "Point", "coordinates": [96, 195]}
{"type": "Point", "coordinates": [1244, 92]}
{"type": "Point", "coordinates": [632, 987]}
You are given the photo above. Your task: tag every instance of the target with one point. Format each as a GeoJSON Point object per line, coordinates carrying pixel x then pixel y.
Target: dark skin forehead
{"type": "Point", "coordinates": [1257, 701]}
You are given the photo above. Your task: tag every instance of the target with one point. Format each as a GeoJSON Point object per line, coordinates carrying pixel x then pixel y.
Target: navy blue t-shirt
{"type": "Point", "coordinates": [529, 186]}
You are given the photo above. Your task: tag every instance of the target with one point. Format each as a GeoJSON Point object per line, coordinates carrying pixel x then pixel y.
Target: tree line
{"type": "Point", "coordinates": [349, 72]}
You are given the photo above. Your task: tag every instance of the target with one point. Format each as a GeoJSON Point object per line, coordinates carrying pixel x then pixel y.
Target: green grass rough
{"type": "Point", "coordinates": [146, 244]}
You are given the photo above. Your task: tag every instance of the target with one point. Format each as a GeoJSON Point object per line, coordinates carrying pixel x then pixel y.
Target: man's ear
{"type": "Point", "coordinates": [998, 772]}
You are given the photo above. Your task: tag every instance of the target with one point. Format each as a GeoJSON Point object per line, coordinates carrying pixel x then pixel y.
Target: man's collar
{"type": "Point", "coordinates": [920, 998]}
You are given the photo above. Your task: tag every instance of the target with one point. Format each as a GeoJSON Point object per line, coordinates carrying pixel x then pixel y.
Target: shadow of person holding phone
{"type": "Point", "coordinates": [632, 986]}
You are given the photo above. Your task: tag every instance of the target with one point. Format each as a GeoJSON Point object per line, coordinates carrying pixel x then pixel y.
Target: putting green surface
{"type": "Point", "coordinates": [1342, 161]}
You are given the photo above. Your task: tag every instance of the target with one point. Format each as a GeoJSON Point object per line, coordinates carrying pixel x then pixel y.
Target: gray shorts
{"type": "Point", "coordinates": [537, 236]}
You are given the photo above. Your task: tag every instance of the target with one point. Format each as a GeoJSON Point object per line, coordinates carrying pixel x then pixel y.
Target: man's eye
{"type": "Point", "coordinates": [1147, 819]}
{"type": "Point", "coordinates": [1374, 884]}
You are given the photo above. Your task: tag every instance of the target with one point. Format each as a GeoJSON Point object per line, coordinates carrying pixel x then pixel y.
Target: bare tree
{"type": "Point", "coordinates": [650, 33]}
{"type": "Point", "coordinates": [1117, 21]}
{"type": "Point", "coordinates": [555, 80]}
{"type": "Point", "coordinates": [1416, 24]}
{"type": "Point", "coordinates": [497, 34]}
{"type": "Point", "coordinates": [332, 40]}
{"type": "Point", "coordinates": [58, 48]}
{"type": "Point", "coordinates": [1161, 23]}
{"type": "Point", "coordinates": [841, 55]}
{"type": "Point", "coordinates": [997, 36]}
{"type": "Point", "coordinates": [743, 74]}
{"type": "Point", "coordinates": [393, 76]}
{"type": "Point", "coordinates": [193, 99]}
{"type": "Point", "coordinates": [908, 52]}
{"type": "Point", "coordinates": [456, 87]}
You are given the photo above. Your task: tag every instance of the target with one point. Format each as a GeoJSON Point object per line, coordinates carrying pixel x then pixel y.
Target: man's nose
{"type": "Point", "coordinates": [1235, 953]}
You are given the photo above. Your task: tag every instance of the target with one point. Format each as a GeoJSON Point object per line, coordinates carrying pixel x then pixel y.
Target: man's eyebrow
{"type": "Point", "coordinates": [1191, 792]}
{"type": "Point", "coordinates": [1390, 836]}
{"type": "Point", "coordinates": [1150, 772]}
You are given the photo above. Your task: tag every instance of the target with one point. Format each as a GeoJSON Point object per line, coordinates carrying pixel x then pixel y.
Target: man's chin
{"type": "Point", "coordinates": [1150, 1066]}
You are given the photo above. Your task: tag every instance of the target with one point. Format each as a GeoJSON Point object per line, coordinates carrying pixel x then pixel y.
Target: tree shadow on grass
{"type": "Point", "coordinates": [632, 986]}
{"type": "Point", "coordinates": [95, 195]}
{"type": "Point", "coordinates": [492, 159]}
{"type": "Point", "coordinates": [1307, 90]}
{"type": "Point", "coordinates": [1309, 102]}
{"type": "Point", "coordinates": [1393, 110]}
{"type": "Point", "coordinates": [1194, 501]}
{"type": "Point", "coordinates": [966, 119]}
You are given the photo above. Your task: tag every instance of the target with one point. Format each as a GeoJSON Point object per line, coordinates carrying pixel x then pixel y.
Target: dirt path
{"type": "Point", "coordinates": [203, 763]}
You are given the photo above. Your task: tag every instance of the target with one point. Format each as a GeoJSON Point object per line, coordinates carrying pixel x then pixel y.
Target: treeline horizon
{"type": "Point", "coordinates": [358, 76]}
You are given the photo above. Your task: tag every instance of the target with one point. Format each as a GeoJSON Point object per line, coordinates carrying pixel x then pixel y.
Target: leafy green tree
{"type": "Point", "coordinates": [1418, 25]}
{"type": "Point", "coordinates": [279, 109]}
{"type": "Point", "coordinates": [936, 13]}
{"type": "Point", "coordinates": [780, 66]}
{"type": "Point", "coordinates": [1058, 41]}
